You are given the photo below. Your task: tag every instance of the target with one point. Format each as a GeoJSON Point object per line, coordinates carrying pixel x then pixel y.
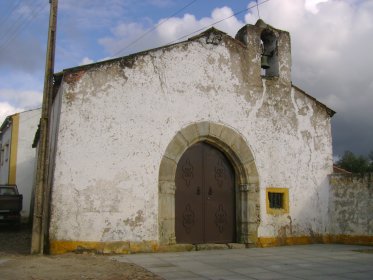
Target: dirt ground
{"type": "Point", "coordinates": [16, 263]}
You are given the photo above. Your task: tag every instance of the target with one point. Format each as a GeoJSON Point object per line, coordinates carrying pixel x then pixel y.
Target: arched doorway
{"type": "Point", "coordinates": [204, 196]}
{"type": "Point", "coordinates": [246, 185]}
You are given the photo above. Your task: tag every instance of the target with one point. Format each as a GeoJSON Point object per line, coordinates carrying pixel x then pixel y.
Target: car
{"type": "Point", "coordinates": [10, 205]}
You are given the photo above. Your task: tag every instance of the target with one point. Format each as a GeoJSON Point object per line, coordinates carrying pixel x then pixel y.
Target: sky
{"type": "Point", "coordinates": [332, 41]}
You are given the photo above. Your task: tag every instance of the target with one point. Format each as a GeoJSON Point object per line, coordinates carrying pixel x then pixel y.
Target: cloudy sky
{"type": "Point", "coordinates": [332, 41]}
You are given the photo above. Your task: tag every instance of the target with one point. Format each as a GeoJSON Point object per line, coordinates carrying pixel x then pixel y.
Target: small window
{"type": "Point", "coordinates": [2, 156]}
{"type": "Point", "coordinates": [277, 200]}
{"type": "Point", "coordinates": [7, 191]}
{"type": "Point", "coordinates": [6, 152]}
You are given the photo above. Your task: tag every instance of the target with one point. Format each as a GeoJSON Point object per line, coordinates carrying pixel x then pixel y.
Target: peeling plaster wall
{"type": "Point", "coordinates": [351, 205]}
{"type": "Point", "coordinates": [118, 117]}
{"type": "Point", "coordinates": [295, 155]}
{"type": "Point", "coordinates": [54, 122]}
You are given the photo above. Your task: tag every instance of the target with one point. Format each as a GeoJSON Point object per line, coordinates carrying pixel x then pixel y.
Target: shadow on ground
{"type": "Point", "coordinates": [15, 240]}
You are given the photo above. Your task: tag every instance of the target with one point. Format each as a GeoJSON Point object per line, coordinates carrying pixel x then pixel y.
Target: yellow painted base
{"type": "Point", "coordinates": [126, 247]}
{"type": "Point", "coordinates": [117, 247]}
{"type": "Point", "coordinates": [351, 239]}
{"type": "Point", "coordinates": [293, 240]}
{"type": "Point", "coordinates": [319, 239]}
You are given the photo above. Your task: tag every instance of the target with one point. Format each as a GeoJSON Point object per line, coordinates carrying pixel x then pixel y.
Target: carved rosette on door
{"type": "Point", "coordinates": [219, 173]}
{"type": "Point", "coordinates": [187, 172]}
{"type": "Point", "coordinates": [220, 218]}
{"type": "Point", "coordinates": [188, 218]}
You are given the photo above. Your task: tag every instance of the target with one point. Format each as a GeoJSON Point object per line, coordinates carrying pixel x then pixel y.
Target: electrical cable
{"type": "Point", "coordinates": [17, 3]}
{"type": "Point", "coordinates": [16, 22]}
{"type": "Point", "coordinates": [21, 25]}
{"type": "Point", "coordinates": [216, 22]}
{"type": "Point", "coordinates": [153, 28]}
{"type": "Point", "coordinates": [257, 8]}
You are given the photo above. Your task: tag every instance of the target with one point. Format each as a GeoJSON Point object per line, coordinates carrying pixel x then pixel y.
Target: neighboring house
{"type": "Point", "coordinates": [203, 141]}
{"type": "Point", "coordinates": [17, 157]}
{"type": "Point", "coordinates": [337, 169]}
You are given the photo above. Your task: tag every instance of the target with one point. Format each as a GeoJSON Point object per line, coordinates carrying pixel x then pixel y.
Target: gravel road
{"type": "Point", "coordinates": [16, 263]}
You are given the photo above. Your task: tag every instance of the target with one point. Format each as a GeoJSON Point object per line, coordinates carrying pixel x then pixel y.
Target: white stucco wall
{"type": "Point", "coordinates": [351, 207]}
{"type": "Point", "coordinates": [6, 137]}
{"type": "Point", "coordinates": [24, 162]}
{"type": "Point", "coordinates": [117, 119]}
{"type": "Point", "coordinates": [26, 156]}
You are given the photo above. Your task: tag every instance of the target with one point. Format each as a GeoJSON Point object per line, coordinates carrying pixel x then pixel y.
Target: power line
{"type": "Point", "coordinates": [14, 7]}
{"type": "Point", "coordinates": [153, 28]}
{"type": "Point", "coordinates": [17, 21]}
{"type": "Point", "coordinates": [21, 24]}
{"type": "Point", "coordinates": [14, 24]}
{"type": "Point", "coordinates": [219, 21]}
{"type": "Point", "coordinates": [257, 8]}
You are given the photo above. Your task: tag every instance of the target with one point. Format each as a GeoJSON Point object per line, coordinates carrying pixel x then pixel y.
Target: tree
{"type": "Point", "coordinates": [370, 156]}
{"type": "Point", "coordinates": [355, 163]}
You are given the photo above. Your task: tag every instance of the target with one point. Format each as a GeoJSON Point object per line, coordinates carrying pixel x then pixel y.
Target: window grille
{"type": "Point", "coordinates": [276, 200]}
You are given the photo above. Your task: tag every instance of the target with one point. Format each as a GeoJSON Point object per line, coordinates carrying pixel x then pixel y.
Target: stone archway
{"type": "Point", "coordinates": [233, 145]}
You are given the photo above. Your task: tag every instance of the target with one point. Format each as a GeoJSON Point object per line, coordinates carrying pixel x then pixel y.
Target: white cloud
{"type": "Point", "coordinates": [7, 109]}
{"type": "Point", "coordinates": [21, 99]}
{"type": "Point", "coordinates": [175, 28]}
{"type": "Point", "coordinates": [312, 5]}
{"type": "Point", "coordinates": [167, 31]}
{"type": "Point", "coordinates": [86, 60]}
{"type": "Point", "coordinates": [14, 101]}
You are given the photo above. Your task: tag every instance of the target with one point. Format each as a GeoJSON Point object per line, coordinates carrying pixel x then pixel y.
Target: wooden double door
{"type": "Point", "coordinates": [205, 197]}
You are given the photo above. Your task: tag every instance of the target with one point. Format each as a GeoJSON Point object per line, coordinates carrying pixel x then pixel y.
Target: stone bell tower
{"type": "Point", "coordinates": [269, 48]}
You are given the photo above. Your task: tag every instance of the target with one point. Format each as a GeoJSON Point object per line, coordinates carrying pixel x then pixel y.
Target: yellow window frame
{"type": "Point", "coordinates": [278, 211]}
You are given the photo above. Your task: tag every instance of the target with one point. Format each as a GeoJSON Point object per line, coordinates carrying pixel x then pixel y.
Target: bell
{"type": "Point", "coordinates": [264, 62]}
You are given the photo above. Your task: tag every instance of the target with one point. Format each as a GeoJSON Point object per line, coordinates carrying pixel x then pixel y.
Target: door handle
{"type": "Point", "coordinates": [198, 191]}
{"type": "Point", "coordinates": [210, 191]}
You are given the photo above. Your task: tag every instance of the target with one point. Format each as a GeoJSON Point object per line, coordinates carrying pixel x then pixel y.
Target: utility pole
{"type": "Point", "coordinates": [42, 190]}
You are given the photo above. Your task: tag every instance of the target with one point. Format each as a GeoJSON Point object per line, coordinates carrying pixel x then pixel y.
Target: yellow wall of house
{"type": "Point", "coordinates": [13, 150]}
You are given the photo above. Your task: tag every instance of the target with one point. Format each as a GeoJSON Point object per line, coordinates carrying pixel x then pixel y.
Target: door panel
{"type": "Point", "coordinates": [188, 197]}
{"type": "Point", "coordinates": [204, 199]}
{"type": "Point", "coordinates": [219, 200]}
